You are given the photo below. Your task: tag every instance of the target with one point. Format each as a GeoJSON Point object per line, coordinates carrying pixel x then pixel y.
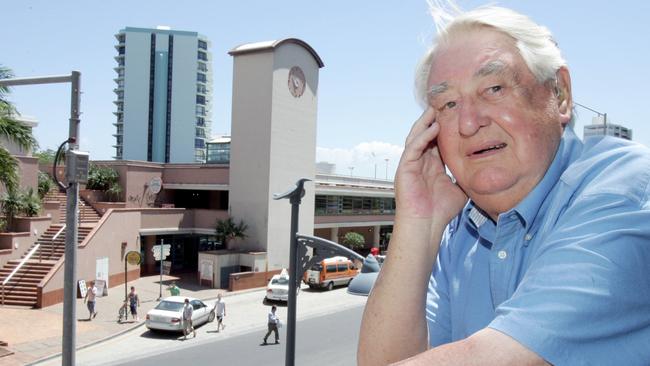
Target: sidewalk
{"type": "Point", "coordinates": [36, 333]}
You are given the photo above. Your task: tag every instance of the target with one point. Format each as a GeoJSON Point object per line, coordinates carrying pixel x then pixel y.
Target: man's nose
{"type": "Point", "coordinates": [471, 118]}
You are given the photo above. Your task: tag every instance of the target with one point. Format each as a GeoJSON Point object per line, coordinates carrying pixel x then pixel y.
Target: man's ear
{"type": "Point", "coordinates": [563, 95]}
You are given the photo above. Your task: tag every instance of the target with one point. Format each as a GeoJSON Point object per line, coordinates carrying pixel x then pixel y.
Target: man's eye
{"type": "Point", "coordinates": [449, 105]}
{"type": "Point", "coordinates": [495, 89]}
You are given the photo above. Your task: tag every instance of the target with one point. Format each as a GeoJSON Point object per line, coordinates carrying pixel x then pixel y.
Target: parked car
{"type": "Point", "coordinates": [278, 287]}
{"type": "Point", "coordinates": [330, 272]}
{"type": "Point", "coordinates": [167, 315]}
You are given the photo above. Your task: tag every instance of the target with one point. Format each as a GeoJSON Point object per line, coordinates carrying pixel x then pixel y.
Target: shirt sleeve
{"type": "Point", "coordinates": [437, 309]}
{"type": "Point", "coordinates": [585, 299]}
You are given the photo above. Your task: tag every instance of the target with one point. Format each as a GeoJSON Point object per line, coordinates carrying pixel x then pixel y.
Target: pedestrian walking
{"type": "Point", "coordinates": [90, 300]}
{"type": "Point", "coordinates": [187, 319]}
{"type": "Point", "coordinates": [273, 323]}
{"type": "Point", "coordinates": [173, 289]}
{"type": "Point", "coordinates": [220, 312]}
{"type": "Point", "coordinates": [134, 303]}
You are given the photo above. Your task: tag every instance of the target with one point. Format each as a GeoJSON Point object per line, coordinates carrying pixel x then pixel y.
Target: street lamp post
{"type": "Point", "coordinates": [386, 168]}
{"type": "Point", "coordinates": [598, 113]}
{"type": "Point", "coordinates": [300, 260]}
{"type": "Point", "coordinates": [71, 234]}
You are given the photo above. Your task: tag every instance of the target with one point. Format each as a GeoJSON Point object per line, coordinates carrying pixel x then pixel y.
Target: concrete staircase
{"type": "Point", "coordinates": [87, 214]}
{"type": "Point", "coordinates": [21, 290]}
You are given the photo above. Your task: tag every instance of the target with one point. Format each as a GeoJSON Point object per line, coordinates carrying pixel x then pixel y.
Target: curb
{"type": "Point", "coordinates": [92, 343]}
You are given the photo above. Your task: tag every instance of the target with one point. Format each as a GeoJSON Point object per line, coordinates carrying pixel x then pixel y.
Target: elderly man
{"type": "Point", "coordinates": [537, 250]}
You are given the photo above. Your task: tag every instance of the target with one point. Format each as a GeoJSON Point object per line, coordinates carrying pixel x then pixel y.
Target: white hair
{"type": "Point", "coordinates": [534, 42]}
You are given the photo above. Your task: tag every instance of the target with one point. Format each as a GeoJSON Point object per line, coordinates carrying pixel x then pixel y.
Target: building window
{"type": "Point", "coordinates": [201, 77]}
{"type": "Point", "coordinates": [200, 110]}
{"type": "Point", "coordinates": [199, 156]}
{"type": "Point", "coordinates": [347, 205]}
{"type": "Point", "coordinates": [199, 143]}
{"type": "Point", "coordinates": [203, 56]}
{"type": "Point", "coordinates": [200, 121]}
{"type": "Point", "coordinates": [200, 99]}
{"type": "Point", "coordinates": [200, 132]}
{"type": "Point", "coordinates": [203, 66]}
{"type": "Point", "coordinates": [201, 88]}
{"type": "Point", "coordinates": [218, 153]}
{"type": "Point", "coordinates": [203, 45]}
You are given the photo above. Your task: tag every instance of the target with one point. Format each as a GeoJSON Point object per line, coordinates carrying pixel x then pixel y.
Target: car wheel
{"type": "Point", "coordinates": [330, 286]}
{"type": "Point", "coordinates": [211, 317]}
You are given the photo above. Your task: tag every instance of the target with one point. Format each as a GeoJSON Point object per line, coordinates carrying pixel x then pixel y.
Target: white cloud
{"type": "Point", "coordinates": [368, 159]}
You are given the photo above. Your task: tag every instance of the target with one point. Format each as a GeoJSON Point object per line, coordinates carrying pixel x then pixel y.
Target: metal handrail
{"type": "Point", "coordinates": [54, 238]}
{"type": "Point", "coordinates": [29, 255]}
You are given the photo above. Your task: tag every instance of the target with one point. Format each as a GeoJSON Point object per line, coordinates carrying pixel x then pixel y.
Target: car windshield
{"type": "Point", "coordinates": [280, 281]}
{"type": "Point", "coordinates": [170, 306]}
{"type": "Point", "coordinates": [317, 267]}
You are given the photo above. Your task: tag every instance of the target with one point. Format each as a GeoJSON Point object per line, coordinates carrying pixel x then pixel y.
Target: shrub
{"type": "Point", "coordinates": [44, 184]}
{"type": "Point", "coordinates": [354, 240]}
{"type": "Point", "coordinates": [30, 203]}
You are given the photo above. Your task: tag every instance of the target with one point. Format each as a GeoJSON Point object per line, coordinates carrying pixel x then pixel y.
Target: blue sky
{"type": "Point", "coordinates": [370, 49]}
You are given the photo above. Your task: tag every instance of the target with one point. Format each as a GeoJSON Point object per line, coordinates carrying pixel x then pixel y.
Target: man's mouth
{"type": "Point", "coordinates": [490, 148]}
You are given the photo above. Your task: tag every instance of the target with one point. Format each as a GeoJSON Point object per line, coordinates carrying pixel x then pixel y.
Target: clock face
{"type": "Point", "coordinates": [296, 82]}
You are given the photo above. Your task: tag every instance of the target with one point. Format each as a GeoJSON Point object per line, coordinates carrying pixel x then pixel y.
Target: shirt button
{"type": "Point", "coordinates": [528, 237]}
{"type": "Point", "coordinates": [502, 254]}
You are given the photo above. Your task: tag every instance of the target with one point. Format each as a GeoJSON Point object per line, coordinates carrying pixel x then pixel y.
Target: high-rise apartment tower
{"type": "Point", "coordinates": [164, 85]}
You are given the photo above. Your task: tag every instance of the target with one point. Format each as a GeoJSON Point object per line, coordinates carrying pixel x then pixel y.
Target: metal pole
{"type": "Point", "coordinates": [71, 236]}
{"type": "Point", "coordinates": [605, 124]}
{"type": "Point", "coordinates": [162, 241]}
{"type": "Point", "coordinates": [291, 303]}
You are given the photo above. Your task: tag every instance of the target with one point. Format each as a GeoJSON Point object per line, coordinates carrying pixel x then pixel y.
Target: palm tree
{"type": "Point", "coordinates": [228, 230]}
{"type": "Point", "coordinates": [14, 131]}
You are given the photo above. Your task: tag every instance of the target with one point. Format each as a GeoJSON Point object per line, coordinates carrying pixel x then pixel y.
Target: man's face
{"type": "Point", "coordinates": [500, 128]}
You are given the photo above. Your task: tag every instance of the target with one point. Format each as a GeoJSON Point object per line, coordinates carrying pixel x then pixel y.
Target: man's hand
{"type": "Point", "coordinates": [422, 187]}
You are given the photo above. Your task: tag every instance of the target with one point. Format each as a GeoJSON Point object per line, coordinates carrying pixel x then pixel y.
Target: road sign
{"type": "Point", "coordinates": [133, 258]}
{"type": "Point", "coordinates": [166, 248]}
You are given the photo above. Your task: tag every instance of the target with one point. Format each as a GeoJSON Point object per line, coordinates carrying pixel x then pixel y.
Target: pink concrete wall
{"type": "Point", "coordinates": [196, 174]}
{"type": "Point", "coordinates": [167, 218]}
{"type": "Point", "coordinates": [207, 219]}
{"type": "Point", "coordinates": [115, 228]}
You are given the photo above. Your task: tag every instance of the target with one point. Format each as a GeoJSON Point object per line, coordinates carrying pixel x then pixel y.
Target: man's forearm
{"type": "Point", "coordinates": [393, 325]}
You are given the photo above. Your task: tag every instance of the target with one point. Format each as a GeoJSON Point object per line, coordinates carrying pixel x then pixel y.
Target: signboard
{"type": "Point", "coordinates": [101, 288]}
{"type": "Point", "coordinates": [166, 248]}
{"type": "Point", "coordinates": [206, 270]}
{"type": "Point", "coordinates": [155, 185]}
{"type": "Point", "coordinates": [133, 258]}
{"type": "Point", "coordinates": [166, 267]}
{"type": "Point", "coordinates": [102, 274]}
{"type": "Point", "coordinates": [83, 288]}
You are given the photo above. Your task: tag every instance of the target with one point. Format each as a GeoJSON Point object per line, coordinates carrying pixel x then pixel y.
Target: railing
{"type": "Point", "coordinates": [53, 239]}
{"type": "Point", "coordinates": [29, 255]}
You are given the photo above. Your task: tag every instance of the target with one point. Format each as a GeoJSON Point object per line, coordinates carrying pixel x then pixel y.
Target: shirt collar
{"type": "Point", "coordinates": [568, 150]}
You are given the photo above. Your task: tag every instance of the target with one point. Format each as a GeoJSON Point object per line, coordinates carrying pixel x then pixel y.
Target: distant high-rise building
{"type": "Point", "coordinates": [597, 128]}
{"type": "Point", "coordinates": [164, 86]}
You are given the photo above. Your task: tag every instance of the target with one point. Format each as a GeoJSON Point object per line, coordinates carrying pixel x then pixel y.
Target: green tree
{"type": "Point", "coordinates": [46, 156]}
{"type": "Point", "coordinates": [45, 184]}
{"type": "Point", "coordinates": [11, 206]}
{"type": "Point", "coordinates": [14, 131]}
{"type": "Point", "coordinates": [103, 178]}
{"type": "Point", "coordinates": [354, 240]}
{"type": "Point", "coordinates": [228, 230]}
{"type": "Point", "coordinates": [30, 203]}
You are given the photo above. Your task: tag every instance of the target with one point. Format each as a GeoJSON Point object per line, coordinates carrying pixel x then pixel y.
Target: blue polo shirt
{"type": "Point", "coordinates": [566, 272]}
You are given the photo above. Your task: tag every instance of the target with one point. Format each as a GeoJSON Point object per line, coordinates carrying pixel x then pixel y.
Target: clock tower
{"type": "Point", "coordinates": [274, 103]}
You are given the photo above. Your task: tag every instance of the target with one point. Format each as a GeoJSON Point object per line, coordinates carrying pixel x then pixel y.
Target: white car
{"type": "Point", "coordinates": [278, 287]}
{"type": "Point", "coordinates": [167, 315]}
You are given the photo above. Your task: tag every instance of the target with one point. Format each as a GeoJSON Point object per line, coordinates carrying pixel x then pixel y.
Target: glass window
{"type": "Point", "coordinates": [199, 143]}
{"type": "Point", "coordinates": [203, 56]}
{"type": "Point", "coordinates": [203, 66]}
{"type": "Point", "coordinates": [200, 132]}
{"type": "Point", "coordinates": [342, 267]}
{"type": "Point", "coordinates": [203, 45]}
{"type": "Point", "coordinates": [200, 99]}
{"type": "Point", "coordinates": [201, 88]}
{"type": "Point", "coordinates": [200, 121]}
{"type": "Point", "coordinates": [200, 110]}
{"type": "Point", "coordinates": [201, 77]}
{"type": "Point", "coordinates": [331, 268]}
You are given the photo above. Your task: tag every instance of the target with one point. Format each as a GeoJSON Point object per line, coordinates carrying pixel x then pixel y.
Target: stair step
{"type": "Point", "coordinates": [22, 302]}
